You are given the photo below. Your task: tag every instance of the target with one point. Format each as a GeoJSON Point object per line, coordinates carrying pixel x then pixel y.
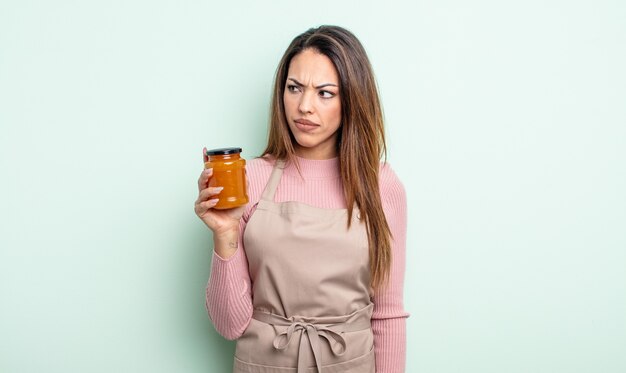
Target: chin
{"type": "Point", "coordinates": [305, 143]}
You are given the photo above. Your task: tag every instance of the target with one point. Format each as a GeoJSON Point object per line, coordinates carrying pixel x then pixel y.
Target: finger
{"type": "Point", "coordinates": [207, 205]}
{"type": "Point", "coordinates": [204, 206]}
{"type": "Point", "coordinates": [204, 156]}
{"type": "Point", "coordinates": [207, 193]}
{"type": "Point", "coordinates": [204, 178]}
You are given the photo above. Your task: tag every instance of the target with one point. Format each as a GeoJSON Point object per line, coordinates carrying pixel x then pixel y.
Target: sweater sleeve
{"type": "Point", "coordinates": [389, 317]}
{"type": "Point", "coordinates": [229, 289]}
{"type": "Point", "coordinates": [228, 292]}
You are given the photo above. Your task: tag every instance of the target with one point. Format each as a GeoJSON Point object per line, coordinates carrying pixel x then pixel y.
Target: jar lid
{"type": "Point", "coordinates": [223, 151]}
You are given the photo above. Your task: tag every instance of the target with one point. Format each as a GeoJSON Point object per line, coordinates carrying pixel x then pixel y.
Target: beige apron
{"type": "Point", "coordinates": [310, 285]}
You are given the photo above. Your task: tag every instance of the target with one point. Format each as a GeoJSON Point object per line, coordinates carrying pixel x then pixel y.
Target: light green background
{"type": "Point", "coordinates": [506, 122]}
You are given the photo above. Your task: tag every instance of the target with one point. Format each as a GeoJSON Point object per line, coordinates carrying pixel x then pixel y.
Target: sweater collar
{"type": "Point", "coordinates": [315, 168]}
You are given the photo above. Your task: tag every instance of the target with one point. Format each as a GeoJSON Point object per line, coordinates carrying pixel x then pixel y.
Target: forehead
{"type": "Point", "coordinates": [310, 66]}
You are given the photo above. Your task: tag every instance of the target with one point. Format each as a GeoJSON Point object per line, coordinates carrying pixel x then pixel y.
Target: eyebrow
{"type": "Point", "coordinates": [319, 86]}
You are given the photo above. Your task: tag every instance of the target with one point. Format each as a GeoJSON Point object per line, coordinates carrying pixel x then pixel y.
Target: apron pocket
{"type": "Point", "coordinates": [361, 364]}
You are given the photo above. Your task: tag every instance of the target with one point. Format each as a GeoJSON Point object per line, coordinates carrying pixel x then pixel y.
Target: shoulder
{"type": "Point", "coordinates": [390, 184]}
{"type": "Point", "coordinates": [258, 171]}
{"type": "Point", "coordinates": [392, 196]}
{"type": "Point", "coordinates": [260, 163]}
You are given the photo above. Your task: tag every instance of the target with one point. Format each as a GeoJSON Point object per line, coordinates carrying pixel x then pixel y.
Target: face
{"type": "Point", "coordinates": [313, 105]}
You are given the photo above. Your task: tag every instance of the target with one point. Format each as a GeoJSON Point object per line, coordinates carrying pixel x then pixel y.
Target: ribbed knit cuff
{"type": "Point", "coordinates": [390, 344]}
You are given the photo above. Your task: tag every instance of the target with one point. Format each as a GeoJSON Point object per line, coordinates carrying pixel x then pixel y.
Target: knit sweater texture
{"type": "Point", "coordinates": [228, 292]}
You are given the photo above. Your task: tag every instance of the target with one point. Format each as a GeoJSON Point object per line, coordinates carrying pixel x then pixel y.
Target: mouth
{"type": "Point", "coordinates": [305, 125]}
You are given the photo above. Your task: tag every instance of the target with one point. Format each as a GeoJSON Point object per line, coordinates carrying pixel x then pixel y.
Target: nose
{"type": "Point", "coordinates": [306, 103]}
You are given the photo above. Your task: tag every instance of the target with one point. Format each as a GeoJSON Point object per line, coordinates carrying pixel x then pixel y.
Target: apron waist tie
{"type": "Point", "coordinates": [329, 328]}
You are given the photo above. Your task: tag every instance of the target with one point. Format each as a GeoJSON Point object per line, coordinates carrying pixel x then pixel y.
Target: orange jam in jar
{"type": "Point", "coordinates": [229, 173]}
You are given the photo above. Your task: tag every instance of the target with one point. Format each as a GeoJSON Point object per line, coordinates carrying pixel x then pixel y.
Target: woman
{"type": "Point", "coordinates": [310, 272]}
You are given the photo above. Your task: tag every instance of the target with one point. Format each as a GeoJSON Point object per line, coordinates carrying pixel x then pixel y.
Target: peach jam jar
{"type": "Point", "coordinates": [229, 173]}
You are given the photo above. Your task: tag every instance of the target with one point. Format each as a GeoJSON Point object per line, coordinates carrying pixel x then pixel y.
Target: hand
{"type": "Point", "coordinates": [221, 222]}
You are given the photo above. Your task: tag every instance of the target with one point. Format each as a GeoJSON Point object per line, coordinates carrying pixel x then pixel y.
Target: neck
{"type": "Point", "coordinates": [316, 153]}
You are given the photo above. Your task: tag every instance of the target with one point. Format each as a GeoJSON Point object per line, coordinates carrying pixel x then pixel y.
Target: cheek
{"type": "Point", "coordinates": [287, 102]}
{"type": "Point", "coordinates": [334, 113]}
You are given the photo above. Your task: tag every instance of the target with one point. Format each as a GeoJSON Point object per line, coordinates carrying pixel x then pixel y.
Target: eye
{"type": "Point", "coordinates": [326, 94]}
{"type": "Point", "coordinates": [293, 88]}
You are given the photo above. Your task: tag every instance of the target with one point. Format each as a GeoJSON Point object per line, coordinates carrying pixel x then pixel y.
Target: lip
{"type": "Point", "coordinates": [306, 125]}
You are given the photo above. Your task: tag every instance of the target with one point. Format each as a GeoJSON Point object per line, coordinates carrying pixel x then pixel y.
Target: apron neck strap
{"type": "Point", "coordinates": [272, 184]}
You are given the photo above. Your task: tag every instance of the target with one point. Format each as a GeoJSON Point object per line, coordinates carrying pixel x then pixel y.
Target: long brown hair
{"type": "Point", "coordinates": [361, 138]}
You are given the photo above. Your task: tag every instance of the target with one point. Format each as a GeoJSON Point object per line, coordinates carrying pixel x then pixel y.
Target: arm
{"type": "Point", "coordinates": [389, 317]}
{"type": "Point", "coordinates": [229, 289]}
{"type": "Point", "coordinates": [228, 298]}
{"type": "Point", "coordinates": [228, 292]}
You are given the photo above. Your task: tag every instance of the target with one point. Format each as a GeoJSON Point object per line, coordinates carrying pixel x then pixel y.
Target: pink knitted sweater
{"type": "Point", "coordinates": [228, 294]}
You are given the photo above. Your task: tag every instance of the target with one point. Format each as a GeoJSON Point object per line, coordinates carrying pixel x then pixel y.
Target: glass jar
{"type": "Point", "coordinates": [229, 173]}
